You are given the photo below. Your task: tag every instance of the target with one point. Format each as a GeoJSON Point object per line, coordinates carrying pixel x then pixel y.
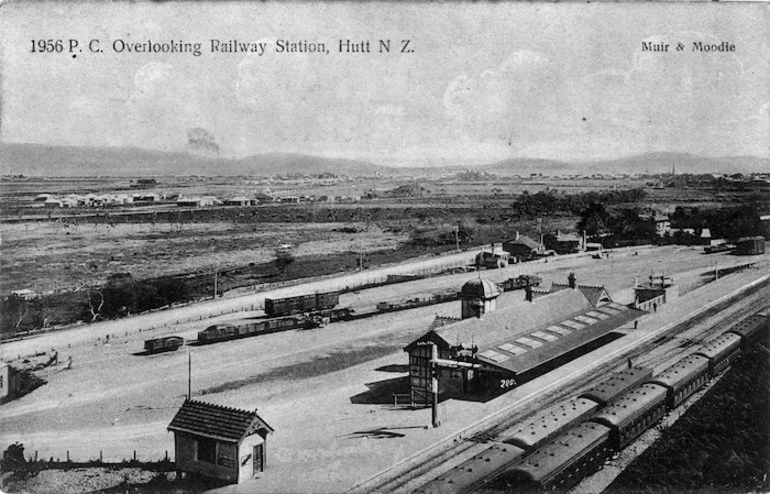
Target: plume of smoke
{"type": "Point", "coordinates": [200, 139]}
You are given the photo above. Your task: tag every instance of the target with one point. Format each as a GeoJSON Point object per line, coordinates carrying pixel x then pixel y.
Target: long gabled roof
{"type": "Point", "coordinates": [216, 421]}
{"type": "Point", "coordinates": [527, 349]}
{"type": "Point", "coordinates": [505, 322]}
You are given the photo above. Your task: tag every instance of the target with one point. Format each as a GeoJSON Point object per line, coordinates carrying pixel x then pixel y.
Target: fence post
{"type": "Point", "coordinates": [68, 456]}
{"type": "Point", "coordinates": [101, 458]}
{"type": "Point", "coordinates": [134, 455]}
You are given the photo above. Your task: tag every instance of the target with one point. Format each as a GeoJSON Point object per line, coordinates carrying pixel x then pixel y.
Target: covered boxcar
{"type": "Point", "coordinates": [165, 344]}
{"type": "Point", "coordinates": [472, 473]}
{"type": "Point", "coordinates": [684, 378]}
{"type": "Point", "coordinates": [562, 463]}
{"type": "Point", "coordinates": [546, 424]}
{"type": "Point", "coordinates": [302, 303]}
{"type": "Point", "coordinates": [631, 414]}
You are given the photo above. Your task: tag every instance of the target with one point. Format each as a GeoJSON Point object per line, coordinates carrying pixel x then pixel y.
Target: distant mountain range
{"type": "Point", "coordinates": [37, 159]}
{"type": "Point", "coordinates": [72, 161]}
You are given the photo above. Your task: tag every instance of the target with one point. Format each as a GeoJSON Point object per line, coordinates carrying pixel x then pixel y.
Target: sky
{"type": "Point", "coordinates": [484, 82]}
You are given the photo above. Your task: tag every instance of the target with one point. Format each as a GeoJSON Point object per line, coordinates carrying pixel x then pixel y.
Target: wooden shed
{"type": "Point", "coordinates": [219, 442]}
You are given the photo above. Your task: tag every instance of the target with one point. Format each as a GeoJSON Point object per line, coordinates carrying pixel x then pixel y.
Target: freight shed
{"type": "Point", "coordinates": [515, 344]}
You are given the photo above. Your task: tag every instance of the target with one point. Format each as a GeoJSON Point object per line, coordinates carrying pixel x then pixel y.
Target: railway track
{"type": "Point", "coordinates": [677, 341]}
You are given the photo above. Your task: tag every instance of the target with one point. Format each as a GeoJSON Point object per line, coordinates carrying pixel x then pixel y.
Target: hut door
{"type": "Point", "coordinates": [259, 458]}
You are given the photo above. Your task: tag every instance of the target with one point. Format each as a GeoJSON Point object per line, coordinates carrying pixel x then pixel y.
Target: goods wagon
{"type": "Point", "coordinates": [302, 303]}
{"type": "Point", "coordinates": [166, 344]}
{"type": "Point", "coordinates": [244, 328]}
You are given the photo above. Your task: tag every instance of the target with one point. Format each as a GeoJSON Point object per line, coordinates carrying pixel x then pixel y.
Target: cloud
{"type": "Point", "coordinates": [200, 139]}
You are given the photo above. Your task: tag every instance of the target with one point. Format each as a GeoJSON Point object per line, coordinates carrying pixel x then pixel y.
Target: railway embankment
{"type": "Point", "coordinates": [721, 444]}
{"type": "Point", "coordinates": [664, 320]}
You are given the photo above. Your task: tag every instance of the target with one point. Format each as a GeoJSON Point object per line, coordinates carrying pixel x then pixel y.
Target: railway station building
{"type": "Point", "coordinates": [515, 344]}
{"type": "Point", "coordinates": [219, 442]}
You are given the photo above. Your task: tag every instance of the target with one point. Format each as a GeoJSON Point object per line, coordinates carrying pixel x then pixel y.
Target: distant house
{"type": "Point", "coordinates": [209, 201]}
{"type": "Point", "coordinates": [219, 442]}
{"type": "Point", "coordinates": [145, 198]}
{"type": "Point", "coordinates": [52, 203]}
{"type": "Point", "coordinates": [523, 247]}
{"type": "Point", "coordinates": [42, 197]}
{"type": "Point", "coordinates": [662, 224]}
{"type": "Point", "coordinates": [563, 243]}
{"type": "Point", "coordinates": [189, 202]}
{"type": "Point", "coordinates": [238, 201]}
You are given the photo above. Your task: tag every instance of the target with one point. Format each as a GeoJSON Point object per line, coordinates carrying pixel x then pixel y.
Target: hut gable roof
{"type": "Point", "coordinates": [216, 421]}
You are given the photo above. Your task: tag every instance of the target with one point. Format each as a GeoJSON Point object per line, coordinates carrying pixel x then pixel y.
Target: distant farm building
{"type": "Point", "coordinates": [513, 345]}
{"type": "Point", "coordinates": [523, 247]}
{"type": "Point", "coordinates": [219, 442]}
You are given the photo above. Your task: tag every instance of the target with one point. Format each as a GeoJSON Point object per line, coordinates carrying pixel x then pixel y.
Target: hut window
{"type": "Point", "coordinates": [207, 449]}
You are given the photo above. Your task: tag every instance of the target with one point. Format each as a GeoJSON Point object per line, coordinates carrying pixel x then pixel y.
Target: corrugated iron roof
{"type": "Point", "coordinates": [216, 421]}
{"type": "Point", "coordinates": [576, 335]}
{"type": "Point", "coordinates": [519, 319]}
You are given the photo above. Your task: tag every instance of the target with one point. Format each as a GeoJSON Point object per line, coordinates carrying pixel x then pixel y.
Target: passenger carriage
{"type": "Point", "coordinates": [630, 415]}
{"type": "Point", "coordinates": [549, 422]}
{"type": "Point", "coordinates": [562, 463]}
{"type": "Point", "coordinates": [684, 378]}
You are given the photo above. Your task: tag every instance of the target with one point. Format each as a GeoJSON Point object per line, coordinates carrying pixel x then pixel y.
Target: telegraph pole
{"type": "Point", "coordinates": [189, 375]}
{"type": "Point", "coordinates": [434, 370]}
{"type": "Point", "coordinates": [456, 229]}
{"type": "Point", "coordinates": [216, 273]}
